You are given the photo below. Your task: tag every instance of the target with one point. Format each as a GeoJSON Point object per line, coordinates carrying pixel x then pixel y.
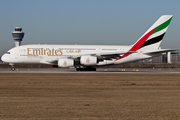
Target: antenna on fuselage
{"type": "Point", "coordinates": [17, 35]}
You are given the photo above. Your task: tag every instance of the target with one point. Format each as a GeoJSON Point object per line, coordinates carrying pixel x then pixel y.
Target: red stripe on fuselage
{"type": "Point", "coordinates": [138, 44]}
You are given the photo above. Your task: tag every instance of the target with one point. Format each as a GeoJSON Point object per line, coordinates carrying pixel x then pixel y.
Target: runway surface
{"type": "Point", "coordinates": [89, 96]}
{"type": "Point", "coordinates": [99, 70]}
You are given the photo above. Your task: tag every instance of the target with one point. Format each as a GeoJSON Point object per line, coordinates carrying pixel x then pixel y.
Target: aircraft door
{"type": "Point", "coordinates": [16, 56]}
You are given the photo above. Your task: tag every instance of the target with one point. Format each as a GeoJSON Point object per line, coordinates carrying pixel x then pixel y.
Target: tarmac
{"type": "Point", "coordinates": [107, 94]}
{"type": "Point", "coordinates": [99, 70]}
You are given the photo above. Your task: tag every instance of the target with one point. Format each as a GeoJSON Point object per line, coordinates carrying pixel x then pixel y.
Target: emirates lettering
{"type": "Point", "coordinates": [32, 51]}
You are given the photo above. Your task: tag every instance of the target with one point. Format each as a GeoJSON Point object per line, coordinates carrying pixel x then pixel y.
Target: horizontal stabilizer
{"type": "Point", "coordinates": [160, 51]}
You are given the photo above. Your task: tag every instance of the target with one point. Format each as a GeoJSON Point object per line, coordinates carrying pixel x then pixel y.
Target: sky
{"type": "Point", "coordinates": [86, 22]}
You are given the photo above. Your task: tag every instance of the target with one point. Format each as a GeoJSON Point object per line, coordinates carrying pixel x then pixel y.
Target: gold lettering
{"type": "Point", "coordinates": [73, 51]}
{"type": "Point", "coordinates": [28, 50]}
{"type": "Point", "coordinates": [57, 52]}
{"type": "Point", "coordinates": [44, 51]}
{"type": "Point", "coordinates": [49, 52]}
{"type": "Point", "coordinates": [36, 51]}
{"type": "Point", "coordinates": [53, 51]}
{"type": "Point", "coordinates": [61, 52]}
{"type": "Point", "coordinates": [79, 51]}
{"type": "Point", "coordinates": [41, 51]}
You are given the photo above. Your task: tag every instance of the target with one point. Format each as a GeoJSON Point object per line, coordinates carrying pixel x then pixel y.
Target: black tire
{"type": "Point", "coordinates": [93, 69]}
{"type": "Point", "coordinates": [81, 69]}
{"type": "Point", "coordinates": [89, 69]}
{"type": "Point", "coordinates": [13, 68]}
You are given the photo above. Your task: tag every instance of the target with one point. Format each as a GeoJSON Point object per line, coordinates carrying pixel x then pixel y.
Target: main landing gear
{"type": "Point", "coordinates": [86, 69]}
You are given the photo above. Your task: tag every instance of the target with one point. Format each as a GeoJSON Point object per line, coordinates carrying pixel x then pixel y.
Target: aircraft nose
{"type": "Point", "coordinates": [5, 57]}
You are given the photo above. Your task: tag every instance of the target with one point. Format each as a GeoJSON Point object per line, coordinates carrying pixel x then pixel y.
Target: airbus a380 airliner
{"type": "Point", "coordinates": [87, 57]}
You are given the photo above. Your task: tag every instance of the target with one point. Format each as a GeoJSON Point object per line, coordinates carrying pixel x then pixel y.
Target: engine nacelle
{"type": "Point", "coordinates": [65, 63]}
{"type": "Point", "coordinates": [88, 60]}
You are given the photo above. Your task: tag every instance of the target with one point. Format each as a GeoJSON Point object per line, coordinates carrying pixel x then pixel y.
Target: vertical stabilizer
{"type": "Point", "coordinates": [154, 35]}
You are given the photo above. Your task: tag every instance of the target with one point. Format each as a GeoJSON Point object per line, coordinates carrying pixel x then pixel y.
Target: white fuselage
{"type": "Point", "coordinates": [40, 54]}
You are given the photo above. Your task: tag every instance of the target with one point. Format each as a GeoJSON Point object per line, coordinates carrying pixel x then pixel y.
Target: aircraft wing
{"type": "Point", "coordinates": [102, 56]}
{"type": "Point", "coordinates": [111, 55]}
{"type": "Point", "coordinates": [114, 53]}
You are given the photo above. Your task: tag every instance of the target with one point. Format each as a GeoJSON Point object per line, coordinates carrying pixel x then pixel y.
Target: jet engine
{"type": "Point", "coordinates": [88, 60]}
{"type": "Point", "coordinates": [65, 63]}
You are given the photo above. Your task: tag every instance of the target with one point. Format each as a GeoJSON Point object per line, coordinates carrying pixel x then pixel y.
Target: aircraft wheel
{"type": "Point", "coordinates": [81, 69]}
{"type": "Point", "coordinates": [93, 69]}
{"type": "Point", "coordinates": [89, 69]}
{"type": "Point", "coordinates": [13, 68]}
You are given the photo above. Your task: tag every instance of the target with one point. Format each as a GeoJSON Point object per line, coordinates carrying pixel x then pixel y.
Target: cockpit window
{"type": "Point", "coordinates": [8, 53]}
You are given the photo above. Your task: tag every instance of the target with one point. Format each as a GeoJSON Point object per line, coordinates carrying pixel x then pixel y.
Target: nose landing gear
{"type": "Point", "coordinates": [12, 68]}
